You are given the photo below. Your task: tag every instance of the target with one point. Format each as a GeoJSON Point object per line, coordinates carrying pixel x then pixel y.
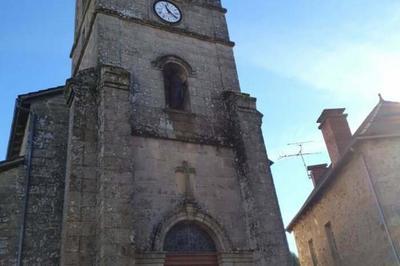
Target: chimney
{"type": "Point", "coordinates": [317, 172]}
{"type": "Point", "coordinates": [336, 132]}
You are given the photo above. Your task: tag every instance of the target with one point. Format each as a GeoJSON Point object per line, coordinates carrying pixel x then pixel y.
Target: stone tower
{"type": "Point", "coordinates": [166, 162]}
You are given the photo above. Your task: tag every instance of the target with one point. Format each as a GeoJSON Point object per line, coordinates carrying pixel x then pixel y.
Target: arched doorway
{"type": "Point", "coordinates": [188, 244]}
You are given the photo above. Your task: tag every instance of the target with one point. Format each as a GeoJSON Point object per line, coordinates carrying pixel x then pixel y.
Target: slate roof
{"type": "Point", "coordinates": [41, 93]}
{"type": "Point", "coordinates": [382, 122]}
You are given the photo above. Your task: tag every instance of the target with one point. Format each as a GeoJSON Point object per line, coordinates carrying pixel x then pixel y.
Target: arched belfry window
{"type": "Point", "coordinates": [187, 237]}
{"type": "Point", "coordinates": [176, 86]}
{"type": "Point", "coordinates": [176, 72]}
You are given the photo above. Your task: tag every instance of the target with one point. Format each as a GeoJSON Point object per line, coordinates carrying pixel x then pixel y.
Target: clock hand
{"type": "Point", "coordinates": [166, 7]}
{"type": "Point", "coordinates": [169, 11]}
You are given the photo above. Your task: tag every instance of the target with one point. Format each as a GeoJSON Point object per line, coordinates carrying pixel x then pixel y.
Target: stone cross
{"type": "Point", "coordinates": [187, 171]}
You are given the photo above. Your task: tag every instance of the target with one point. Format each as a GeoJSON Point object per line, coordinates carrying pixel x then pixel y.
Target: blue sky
{"type": "Point", "coordinates": [296, 57]}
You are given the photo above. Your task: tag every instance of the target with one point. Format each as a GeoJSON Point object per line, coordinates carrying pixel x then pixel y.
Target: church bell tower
{"type": "Point", "coordinates": [166, 159]}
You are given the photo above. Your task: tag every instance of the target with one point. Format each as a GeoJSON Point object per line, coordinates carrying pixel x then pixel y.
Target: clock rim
{"type": "Point", "coordinates": [163, 20]}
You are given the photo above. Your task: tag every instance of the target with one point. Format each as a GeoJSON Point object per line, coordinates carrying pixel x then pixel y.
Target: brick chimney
{"type": "Point", "coordinates": [336, 132]}
{"type": "Point", "coordinates": [317, 172]}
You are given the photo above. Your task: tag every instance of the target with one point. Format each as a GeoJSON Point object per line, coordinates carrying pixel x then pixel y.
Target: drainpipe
{"type": "Point", "coordinates": [28, 159]}
{"type": "Point", "coordinates": [381, 212]}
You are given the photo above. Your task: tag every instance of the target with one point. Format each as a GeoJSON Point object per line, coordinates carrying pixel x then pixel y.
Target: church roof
{"type": "Point", "coordinates": [41, 93]}
{"type": "Point", "coordinates": [21, 115]}
{"type": "Point", "coordinates": [9, 164]}
{"type": "Point", "coordinates": [382, 122]}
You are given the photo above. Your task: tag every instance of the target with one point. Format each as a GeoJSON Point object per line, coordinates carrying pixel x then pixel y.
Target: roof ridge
{"type": "Point", "coordinates": [390, 102]}
{"type": "Point", "coordinates": [28, 95]}
{"type": "Point", "coordinates": [366, 124]}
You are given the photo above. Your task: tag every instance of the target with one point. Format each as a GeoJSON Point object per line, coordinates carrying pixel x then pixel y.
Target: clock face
{"type": "Point", "coordinates": [167, 11]}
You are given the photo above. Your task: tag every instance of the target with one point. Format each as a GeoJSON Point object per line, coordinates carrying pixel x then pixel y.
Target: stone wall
{"type": "Point", "coordinates": [11, 204]}
{"type": "Point", "coordinates": [348, 204]}
{"type": "Point", "coordinates": [383, 159]}
{"type": "Point", "coordinates": [139, 180]}
{"type": "Point", "coordinates": [197, 18]}
{"type": "Point", "coordinates": [80, 214]}
{"type": "Point", "coordinates": [42, 233]}
{"type": "Point", "coordinates": [213, 71]}
{"type": "Point", "coordinates": [200, 21]}
{"type": "Point", "coordinates": [132, 167]}
{"type": "Point", "coordinates": [46, 193]}
{"type": "Point", "coordinates": [159, 190]}
{"type": "Point", "coordinates": [264, 222]}
{"type": "Point", "coordinates": [116, 187]}
{"type": "Point", "coordinates": [133, 148]}
{"type": "Point", "coordinates": [84, 49]}
{"type": "Point", "coordinates": [135, 47]}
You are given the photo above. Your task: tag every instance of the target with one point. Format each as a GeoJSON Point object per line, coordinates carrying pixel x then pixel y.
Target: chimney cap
{"type": "Point", "coordinates": [330, 113]}
{"type": "Point", "coordinates": [312, 167]}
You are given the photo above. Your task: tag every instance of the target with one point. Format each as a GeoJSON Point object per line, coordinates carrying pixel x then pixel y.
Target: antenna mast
{"type": "Point", "coordinates": [300, 154]}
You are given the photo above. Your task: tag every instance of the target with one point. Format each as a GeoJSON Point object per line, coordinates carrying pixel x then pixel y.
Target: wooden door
{"type": "Point", "coordinates": [209, 259]}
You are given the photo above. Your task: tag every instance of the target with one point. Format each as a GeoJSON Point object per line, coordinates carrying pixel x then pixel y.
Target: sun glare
{"type": "Point", "coordinates": [389, 75]}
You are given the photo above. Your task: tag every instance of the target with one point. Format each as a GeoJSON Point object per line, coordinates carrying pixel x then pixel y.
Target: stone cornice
{"type": "Point", "coordinates": [200, 140]}
{"type": "Point", "coordinates": [161, 26]}
{"type": "Point", "coordinates": [212, 7]}
{"type": "Point", "coordinates": [87, 77]}
{"type": "Point", "coordinates": [113, 77]}
{"type": "Point", "coordinates": [241, 102]}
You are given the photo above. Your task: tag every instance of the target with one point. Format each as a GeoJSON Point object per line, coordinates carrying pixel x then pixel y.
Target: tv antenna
{"type": "Point", "coordinates": [300, 154]}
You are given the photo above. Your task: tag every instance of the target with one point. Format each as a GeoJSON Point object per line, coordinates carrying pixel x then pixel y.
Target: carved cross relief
{"type": "Point", "coordinates": [184, 180]}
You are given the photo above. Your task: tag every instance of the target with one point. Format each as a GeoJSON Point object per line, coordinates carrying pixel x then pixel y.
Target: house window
{"type": "Point", "coordinates": [176, 86]}
{"type": "Point", "coordinates": [332, 243]}
{"type": "Point", "coordinates": [312, 252]}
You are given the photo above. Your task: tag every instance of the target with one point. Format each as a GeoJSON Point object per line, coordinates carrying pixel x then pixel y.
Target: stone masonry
{"type": "Point", "coordinates": [116, 168]}
{"type": "Point", "coordinates": [43, 191]}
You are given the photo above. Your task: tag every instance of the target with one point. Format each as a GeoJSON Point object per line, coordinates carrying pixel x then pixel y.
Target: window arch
{"type": "Point", "coordinates": [188, 237]}
{"type": "Point", "coordinates": [191, 213]}
{"type": "Point", "coordinates": [176, 86]}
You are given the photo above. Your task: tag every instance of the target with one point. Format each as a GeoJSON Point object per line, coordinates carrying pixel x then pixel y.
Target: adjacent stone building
{"type": "Point", "coordinates": [149, 155]}
{"type": "Point", "coordinates": [352, 217]}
